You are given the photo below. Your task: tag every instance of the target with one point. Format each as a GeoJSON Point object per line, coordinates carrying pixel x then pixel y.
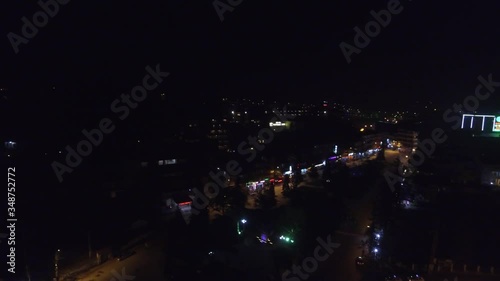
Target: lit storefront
{"type": "Point", "coordinates": [255, 186]}
{"type": "Point", "coordinates": [491, 176]}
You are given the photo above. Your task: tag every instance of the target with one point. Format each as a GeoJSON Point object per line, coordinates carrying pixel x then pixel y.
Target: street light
{"type": "Point", "coordinates": [56, 264]}
{"type": "Point", "coordinates": [238, 228]}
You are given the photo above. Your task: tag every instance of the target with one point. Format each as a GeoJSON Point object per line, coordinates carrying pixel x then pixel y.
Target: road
{"type": "Point", "coordinates": [359, 162]}
{"type": "Point", "coordinates": [146, 264]}
{"type": "Point", "coordinates": [341, 265]}
{"type": "Point", "coordinates": [391, 156]}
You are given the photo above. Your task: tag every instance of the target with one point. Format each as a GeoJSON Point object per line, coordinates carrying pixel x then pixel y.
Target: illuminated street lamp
{"type": "Point", "coordinates": [56, 264]}
{"type": "Point", "coordinates": [243, 221]}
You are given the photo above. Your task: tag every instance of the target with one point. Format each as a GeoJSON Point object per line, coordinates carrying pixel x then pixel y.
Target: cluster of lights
{"type": "Point", "coordinates": [378, 236]}
{"type": "Point", "coordinates": [286, 239]}
{"type": "Point", "coordinates": [264, 240]}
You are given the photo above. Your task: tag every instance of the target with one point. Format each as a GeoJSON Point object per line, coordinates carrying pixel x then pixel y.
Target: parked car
{"type": "Point", "coordinates": [360, 261]}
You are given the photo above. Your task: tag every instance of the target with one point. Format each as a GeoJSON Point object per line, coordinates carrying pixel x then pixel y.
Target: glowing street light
{"type": "Point", "coordinates": [287, 239]}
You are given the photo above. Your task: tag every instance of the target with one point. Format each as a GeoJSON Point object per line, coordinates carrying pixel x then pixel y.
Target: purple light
{"type": "Point", "coordinates": [263, 237]}
{"type": "Point", "coordinates": [332, 158]}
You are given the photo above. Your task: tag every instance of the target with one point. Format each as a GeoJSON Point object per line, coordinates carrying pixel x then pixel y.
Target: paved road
{"type": "Point", "coordinates": [341, 265]}
{"type": "Point", "coordinates": [146, 264]}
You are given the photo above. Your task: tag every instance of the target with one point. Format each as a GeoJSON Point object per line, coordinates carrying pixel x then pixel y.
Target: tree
{"type": "Point", "coordinates": [268, 199]}
{"type": "Point", "coordinates": [229, 199]}
{"type": "Point", "coordinates": [313, 174]}
{"type": "Point", "coordinates": [224, 232]}
{"type": "Point", "coordinates": [397, 162]}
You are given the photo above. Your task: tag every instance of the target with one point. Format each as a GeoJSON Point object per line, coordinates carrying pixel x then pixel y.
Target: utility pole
{"type": "Point", "coordinates": [28, 275]}
{"type": "Point", "coordinates": [90, 247]}
{"type": "Point", "coordinates": [56, 265]}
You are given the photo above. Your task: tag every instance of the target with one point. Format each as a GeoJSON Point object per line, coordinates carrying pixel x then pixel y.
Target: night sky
{"type": "Point", "coordinates": [281, 50]}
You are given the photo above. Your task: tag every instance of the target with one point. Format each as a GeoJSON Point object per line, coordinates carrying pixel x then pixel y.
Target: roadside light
{"type": "Point", "coordinates": [287, 239]}
{"type": "Point", "coordinates": [243, 221]}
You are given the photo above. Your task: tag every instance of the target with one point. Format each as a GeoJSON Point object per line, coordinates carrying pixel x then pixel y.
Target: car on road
{"type": "Point", "coordinates": [360, 261]}
{"type": "Point", "coordinates": [415, 277]}
{"type": "Point", "coordinates": [393, 278]}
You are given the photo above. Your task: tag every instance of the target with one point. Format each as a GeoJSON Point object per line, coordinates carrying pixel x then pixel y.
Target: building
{"type": "Point", "coordinates": [219, 133]}
{"type": "Point", "coordinates": [407, 140]}
{"type": "Point", "coordinates": [371, 141]}
{"type": "Point", "coordinates": [490, 175]}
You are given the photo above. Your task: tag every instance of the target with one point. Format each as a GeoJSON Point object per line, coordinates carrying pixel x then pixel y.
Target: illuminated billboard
{"type": "Point", "coordinates": [277, 126]}
{"type": "Point", "coordinates": [496, 124]}
{"type": "Point", "coordinates": [481, 120]}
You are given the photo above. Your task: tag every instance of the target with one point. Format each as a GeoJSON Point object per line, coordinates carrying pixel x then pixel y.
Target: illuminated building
{"type": "Point", "coordinates": [407, 139]}
{"type": "Point", "coordinates": [219, 133]}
